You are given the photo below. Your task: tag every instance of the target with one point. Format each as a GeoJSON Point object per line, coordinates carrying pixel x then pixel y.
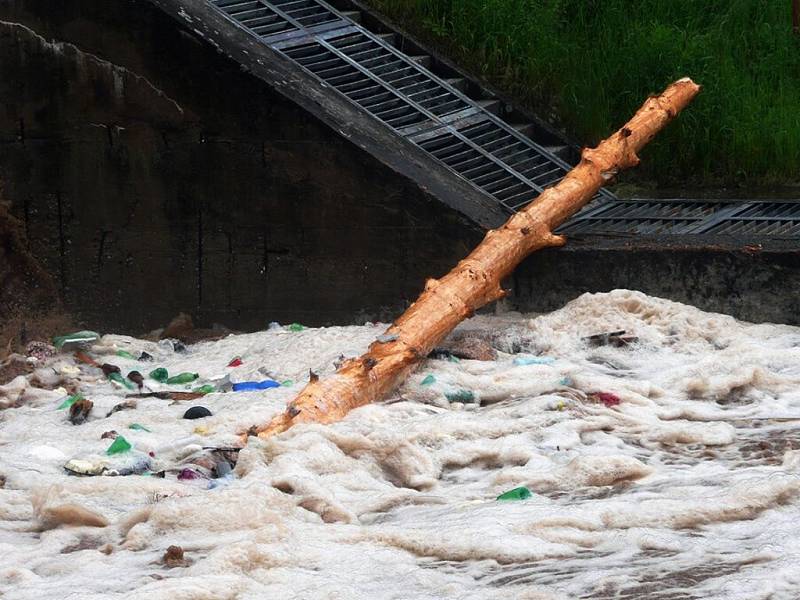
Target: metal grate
{"type": "Point", "coordinates": [454, 129]}
{"type": "Point", "coordinates": [660, 217]}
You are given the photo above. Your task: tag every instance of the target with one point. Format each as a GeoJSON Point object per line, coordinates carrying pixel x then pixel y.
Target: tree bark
{"type": "Point", "coordinates": [475, 281]}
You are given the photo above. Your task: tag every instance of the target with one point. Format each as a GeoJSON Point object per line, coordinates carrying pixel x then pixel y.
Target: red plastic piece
{"type": "Point", "coordinates": [607, 398]}
{"type": "Point", "coordinates": [236, 362]}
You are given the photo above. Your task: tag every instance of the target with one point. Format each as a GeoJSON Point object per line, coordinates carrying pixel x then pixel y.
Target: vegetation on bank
{"type": "Point", "coordinates": [590, 63]}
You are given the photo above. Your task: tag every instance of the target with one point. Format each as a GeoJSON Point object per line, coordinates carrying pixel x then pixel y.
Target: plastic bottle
{"type": "Point", "coordinates": [125, 354]}
{"type": "Point", "coordinates": [70, 401]}
{"type": "Point", "coordinates": [79, 337]}
{"type": "Point", "coordinates": [160, 374]}
{"type": "Point", "coordinates": [138, 427]}
{"type": "Point", "coordinates": [430, 379]}
{"type": "Point", "coordinates": [205, 389]}
{"type": "Point", "coordinates": [118, 446]}
{"type": "Point", "coordinates": [520, 493]}
{"type": "Point", "coordinates": [296, 327]}
{"type": "Point", "coordinates": [120, 380]}
{"type": "Point", "coordinates": [182, 378]}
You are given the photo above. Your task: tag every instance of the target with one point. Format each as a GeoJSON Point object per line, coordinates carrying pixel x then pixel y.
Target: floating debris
{"type": "Point", "coordinates": [126, 405]}
{"type": "Point", "coordinates": [611, 338]}
{"type": "Point", "coordinates": [78, 337]}
{"type": "Point", "coordinates": [79, 411]}
{"type": "Point", "coordinates": [197, 412]}
{"type": "Point", "coordinates": [533, 360]}
{"type": "Point", "coordinates": [520, 493]}
{"type": "Point", "coordinates": [138, 427]}
{"type": "Point", "coordinates": [247, 386]}
{"type": "Point", "coordinates": [69, 401]}
{"type": "Point", "coordinates": [429, 380]}
{"type": "Point", "coordinates": [182, 378]}
{"type": "Point", "coordinates": [160, 374]}
{"type": "Point", "coordinates": [119, 446]}
{"type": "Point", "coordinates": [465, 396]}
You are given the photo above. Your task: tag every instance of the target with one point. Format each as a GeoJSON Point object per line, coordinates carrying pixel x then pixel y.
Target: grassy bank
{"type": "Point", "coordinates": [594, 61]}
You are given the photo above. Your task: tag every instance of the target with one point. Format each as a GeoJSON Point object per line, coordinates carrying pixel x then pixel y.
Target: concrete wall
{"type": "Point", "coordinates": [146, 174]}
{"type": "Point", "coordinates": [152, 176]}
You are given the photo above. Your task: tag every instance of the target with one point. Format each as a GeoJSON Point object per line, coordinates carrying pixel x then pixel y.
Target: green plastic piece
{"type": "Point", "coordinates": [79, 337]}
{"type": "Point", "coordinates": [182, 378]}
{"type": "Point", "coordinates": [125, 354]}
{"type": "Point", "coordinates": [160, 374]}
{"type": "Point", "coordinates": [116, 377]}
{"type": "Point", "coordinates": [454, 359]}
{"type": "Point", "coordinates": [119, 446]}
{"type": "Point", "coordinates": [287, 383]}
{"type": "Point", "coordinates": [296, 327]}
{"type": "Point", "coordinates": [520, 493]}
{"type": "Point", "coordinates": [464, 396]}
{"type": "Point", "coordinates": [70, 401]}
{"type": "Point", "coordinates": [429, 380]}
{"type": "Point", "coordinates": [137, 427]}
{"type": "Point", "coordinates": [206, 389]}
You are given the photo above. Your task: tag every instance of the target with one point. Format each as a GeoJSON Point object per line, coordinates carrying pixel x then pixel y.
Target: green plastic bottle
{"type": "Point", "coordinates": [182, 378]}
{"type": "Point", "coordinates": [137, 427]}
{"type": "Point", "coordinates": [119, 379]}
{"type": "Point", "coordinates": [70, 401]}
{"type": "Point", "coordinates": [430, 379]}
{"type": "Point", "coordinates": [125, 354]}
{"type": "Point", "coordinates": [296, 327]}
{"type": "Point", "coordinates": [79, 337]}
{"type": "Point", "coordinates": [205, 389]}
{"type": "Point", "coordinates": [520, 493]}
{"type": "Point", "coordinates": [118, 446]}
{"type": "Point", "coordinates": [160, 374]}
{"type": "Point", "coordinates": [287, 383]}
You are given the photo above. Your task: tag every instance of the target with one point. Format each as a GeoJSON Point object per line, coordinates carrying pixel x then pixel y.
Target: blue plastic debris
{"type": "Point", "coordinates": [534, 360]}
{"type": "Point", "coordinates": [247, 386]}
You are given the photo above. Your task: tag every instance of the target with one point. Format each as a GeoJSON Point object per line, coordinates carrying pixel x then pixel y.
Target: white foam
{"type": "Point", "coordinates": [685, 485]}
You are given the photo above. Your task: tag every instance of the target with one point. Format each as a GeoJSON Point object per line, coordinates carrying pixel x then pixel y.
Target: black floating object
{"type": "Point", "coordinates": [145, 357]}
{"type": "Point", "coordinates": [109, 368]}
{"type": "Point", "coordinates": [197, 412]}
{"type": "Point", "coordinates": [136, 378]}
{"type": "Point", "coordinates": [178, 346]}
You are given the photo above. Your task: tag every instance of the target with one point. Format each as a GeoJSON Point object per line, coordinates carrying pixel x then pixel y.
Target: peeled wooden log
{"type": "Point", "coordinates": [475, 281]}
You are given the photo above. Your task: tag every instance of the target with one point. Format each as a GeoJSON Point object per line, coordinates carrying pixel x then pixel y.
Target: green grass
{"type": "Point", "coordinates": [592, 63]}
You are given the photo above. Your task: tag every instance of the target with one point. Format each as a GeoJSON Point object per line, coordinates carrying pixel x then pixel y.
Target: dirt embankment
{"type": "Point", "coordinates": [30, 306]}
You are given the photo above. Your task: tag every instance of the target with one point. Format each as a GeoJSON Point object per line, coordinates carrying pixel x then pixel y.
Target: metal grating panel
{"type": "Point", "coordinates": [660, 217]}
{"type": "Point", "coordinates": [455, 130]}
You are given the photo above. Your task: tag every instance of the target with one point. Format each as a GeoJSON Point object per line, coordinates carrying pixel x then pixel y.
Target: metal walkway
{"type": "Point", "coordinates": [743, 219]}
{"type": "Point", "coordinates": [465, 136]}
{"type": "Point", "coordinates": [452, 128]}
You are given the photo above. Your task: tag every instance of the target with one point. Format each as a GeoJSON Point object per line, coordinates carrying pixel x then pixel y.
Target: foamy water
{"type": "Point", "coordinates": [689, 488]}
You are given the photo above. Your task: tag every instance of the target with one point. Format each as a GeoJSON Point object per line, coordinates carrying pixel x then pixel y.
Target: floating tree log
{"type": "Point", "coordinates": [475, 281]}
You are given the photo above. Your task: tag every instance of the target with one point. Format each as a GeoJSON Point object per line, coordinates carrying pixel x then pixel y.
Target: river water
{"type": "Point", "coordinates": [688, 488]}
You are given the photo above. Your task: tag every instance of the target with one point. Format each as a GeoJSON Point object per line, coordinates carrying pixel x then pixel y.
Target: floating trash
{"type": "Point", "coordinates": [533, 360]}
{"type": "Point", "coordinates": [118, 446]}
{"type": "Point", "coordinates": [520, 493]}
